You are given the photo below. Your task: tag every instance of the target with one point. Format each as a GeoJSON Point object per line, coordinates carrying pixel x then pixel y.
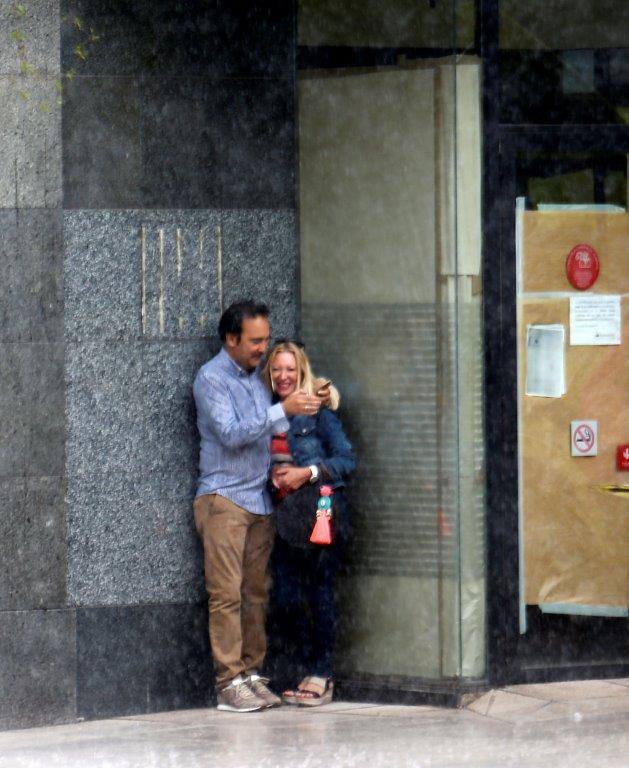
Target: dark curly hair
{"type": "Point", "coordinates": [232, 318]}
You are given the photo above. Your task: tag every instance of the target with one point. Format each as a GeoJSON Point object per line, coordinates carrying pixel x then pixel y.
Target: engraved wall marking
{"type": "Point", "coordinates": [143, 248]}
{"type": "Point", "coordinates": [178, 290]}
{"type": "Point", "coordinates": [161, 282]}
{"type": "Point", "coordinates": [219, 266]}
{"type": "Point", "coordinates": [178, 252]}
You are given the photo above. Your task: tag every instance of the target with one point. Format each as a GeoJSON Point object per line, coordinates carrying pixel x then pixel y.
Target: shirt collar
{"type": "Point", "coordinates": [229, 364]}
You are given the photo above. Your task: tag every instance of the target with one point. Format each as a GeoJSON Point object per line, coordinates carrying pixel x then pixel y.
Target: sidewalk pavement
{"type": "Point", "coordinates": [576, 725]}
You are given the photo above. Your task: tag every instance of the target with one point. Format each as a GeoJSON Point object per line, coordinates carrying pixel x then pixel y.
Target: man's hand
{"type": "Point", "coordinates": [291, 478]}
{"type": "Point", "coordinates": [301, 403]}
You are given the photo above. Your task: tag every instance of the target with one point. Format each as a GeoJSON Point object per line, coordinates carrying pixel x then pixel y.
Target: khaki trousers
{"type": "Point", "coordinates": [237, 545]}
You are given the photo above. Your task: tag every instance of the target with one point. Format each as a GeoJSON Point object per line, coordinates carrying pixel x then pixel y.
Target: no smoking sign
{"type": "Point", "coordinates": [584, 438]}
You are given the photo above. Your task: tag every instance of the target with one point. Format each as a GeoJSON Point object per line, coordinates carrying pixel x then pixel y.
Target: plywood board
{"type": "Point", "coordinates": [550, 236]}
{"type": "Point", "coordinates": [576, 537]}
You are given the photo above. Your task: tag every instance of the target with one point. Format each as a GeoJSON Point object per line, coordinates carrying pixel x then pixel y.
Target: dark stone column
{"type": "Point", "coordinates": [179, 196]}
{"type": "Point", "coordinates": [158, 189]}
{"type": "Point", "coordinates": [37, 645]}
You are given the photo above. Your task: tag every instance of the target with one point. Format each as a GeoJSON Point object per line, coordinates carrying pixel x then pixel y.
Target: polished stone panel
{"type": "Point", "coordinates": [32, 409]}
{"type": "Point", "coordinates": [218, 143]}
{"type": "Point", "coordinates": [38, 25]}
{"type": "Point", "coordinates": [190, 38]}
{"type": "Point", "coordinates": [171, 438]}
{"type": "Point", "coordinates": [132, 540]}
{"type": "Point", "coordinates": [133, 274]}
{"type": "Point", "coordinates": [164, 274]}
{"type": "Point", "coordinates": [102, 159]}
{"type": "Point", "coordinates": [45, 409]}
{"type": "Point", "coordinates": [102, 264]}
{"type": "Point", "coordinates": [114, 37]}
{"type": "Point", "coordinates": [37, 668]}
{"type": "Point", "coordinates": [10, 141]}
{"type": "Point", "coordinates": [143, 294]}
{"type": "Point", "coordinates": [260, 260]}
{"type": "Point", "coordinates": [179, 665]}
{"type": "Point", "coordinates": [111, 661]}
{"type": "Point", "coordinates": [105, 419]}
{"type": "Point", "coordinates": [179, 143]}
{"type": "Point", "coordinates": [31, 292]}
{"type": "Point", "coordinates": [39, 177]}
{"type": "Point", "coordinates": [141, 659]}
{"type": "Point", "coordinates": [180, 273]}
{"type": "Point", "coordinates": [30, 131]}
{"type": "Point", "coordinates": [32, 543]}
{"type": "Point", "coordinates": [13, 407]}
{"type": "Point", "coordinates": [256, 149]}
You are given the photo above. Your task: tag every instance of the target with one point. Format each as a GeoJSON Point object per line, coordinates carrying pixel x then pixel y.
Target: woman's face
{"type": "Point", "coordinates": [284, 374]}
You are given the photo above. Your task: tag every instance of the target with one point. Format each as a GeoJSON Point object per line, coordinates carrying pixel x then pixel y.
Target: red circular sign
{"type": "Point", "coordinates": [582, 266]}
{"type": "Point", "coordinates": [583, 438]}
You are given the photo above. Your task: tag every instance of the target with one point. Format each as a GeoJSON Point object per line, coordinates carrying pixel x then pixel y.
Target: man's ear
{"type": "Point", "coordinates": [232, 340]}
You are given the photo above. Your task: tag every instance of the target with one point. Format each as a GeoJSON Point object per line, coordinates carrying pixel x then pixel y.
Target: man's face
{"type": "Point", "coordinates": [249, 349]}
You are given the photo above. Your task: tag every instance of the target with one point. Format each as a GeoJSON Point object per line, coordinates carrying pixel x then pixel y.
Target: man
{"type": "Point", "coordinates": [232, 509]}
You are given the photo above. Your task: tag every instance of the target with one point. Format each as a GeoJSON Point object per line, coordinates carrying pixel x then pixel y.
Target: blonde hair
{"type": "Point", "coordinates": [306, 380]}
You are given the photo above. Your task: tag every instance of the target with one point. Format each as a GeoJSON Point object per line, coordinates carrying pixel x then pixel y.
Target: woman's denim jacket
{"type": "Point", "coordinates": [320, 440]}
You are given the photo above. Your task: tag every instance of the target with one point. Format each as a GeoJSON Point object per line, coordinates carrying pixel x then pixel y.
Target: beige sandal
{"type": "Point", "coordinates": [291, 696]}
{"type": "Point", "coordinates": [314, 692]}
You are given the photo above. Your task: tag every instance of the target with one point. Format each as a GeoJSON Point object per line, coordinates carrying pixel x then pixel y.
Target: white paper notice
{"type": "Point", "coordinates": [594, 320]}
{"type": "Point", "coordinates": [545, 367]}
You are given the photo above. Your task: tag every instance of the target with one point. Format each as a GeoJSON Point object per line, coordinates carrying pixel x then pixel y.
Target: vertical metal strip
{"type": "Point", "coordinates": [519, 243]}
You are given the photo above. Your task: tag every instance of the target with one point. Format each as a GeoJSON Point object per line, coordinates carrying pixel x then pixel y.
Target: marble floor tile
{"type": "Point", "coordinates": [397, 710]}
{"type": "Point", "coordinates": [495, 732]}
{"type": "Point", "coordinates": [497, 703]}
{"type": "Point", "coordinates": [574, 690]}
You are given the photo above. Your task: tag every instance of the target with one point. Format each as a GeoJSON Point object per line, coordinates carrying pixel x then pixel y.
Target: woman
{"type": "Point", "coordinates": [314, 450]}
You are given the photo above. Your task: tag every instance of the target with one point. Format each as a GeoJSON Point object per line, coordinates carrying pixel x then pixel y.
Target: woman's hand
{"type": "Point", "coordinates": [290, 478]}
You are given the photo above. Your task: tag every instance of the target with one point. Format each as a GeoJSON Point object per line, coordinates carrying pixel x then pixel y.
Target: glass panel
{"type": "Point", "coordinates": [459, 406]}
{"type": "Point", "coordinates": [574, 554]}
{"type": "Point", "coordinates": [389, 153]}
{"type": "Point", "coordinates": [563, 62]}
{"type": "Point", "coordinates": [572, 178]}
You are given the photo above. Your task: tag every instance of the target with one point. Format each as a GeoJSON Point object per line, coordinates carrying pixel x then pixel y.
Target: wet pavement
{"type": "Point", "coordinates": [574, 724]}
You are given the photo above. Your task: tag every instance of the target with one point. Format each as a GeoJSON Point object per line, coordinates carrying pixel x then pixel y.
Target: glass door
{"type": "Point", "coordinates": [390, 238]}
{"type": "Point", "coordinates": [567, 553]}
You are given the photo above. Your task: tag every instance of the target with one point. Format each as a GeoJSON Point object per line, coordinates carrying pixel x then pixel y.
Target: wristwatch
{"type": "Point", "coordinates": [314, 473]}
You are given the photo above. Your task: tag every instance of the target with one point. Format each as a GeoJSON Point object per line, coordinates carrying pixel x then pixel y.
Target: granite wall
{"type": "Point", "coordinates": [148, 180]}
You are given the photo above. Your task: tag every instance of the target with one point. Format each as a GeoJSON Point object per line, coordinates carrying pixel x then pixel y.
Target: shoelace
{"type": "Point", "coordinates": [243, 690]}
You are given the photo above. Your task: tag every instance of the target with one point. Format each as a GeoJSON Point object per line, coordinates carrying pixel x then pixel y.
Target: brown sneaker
{"type": "Point", "coordinates": [259, 686]}
{"type": "Point", "coordinates": [238, 697]}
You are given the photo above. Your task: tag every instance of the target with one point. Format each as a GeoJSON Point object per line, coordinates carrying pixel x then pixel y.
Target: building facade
{"type": "Point", "coordinates": [393, 179]}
